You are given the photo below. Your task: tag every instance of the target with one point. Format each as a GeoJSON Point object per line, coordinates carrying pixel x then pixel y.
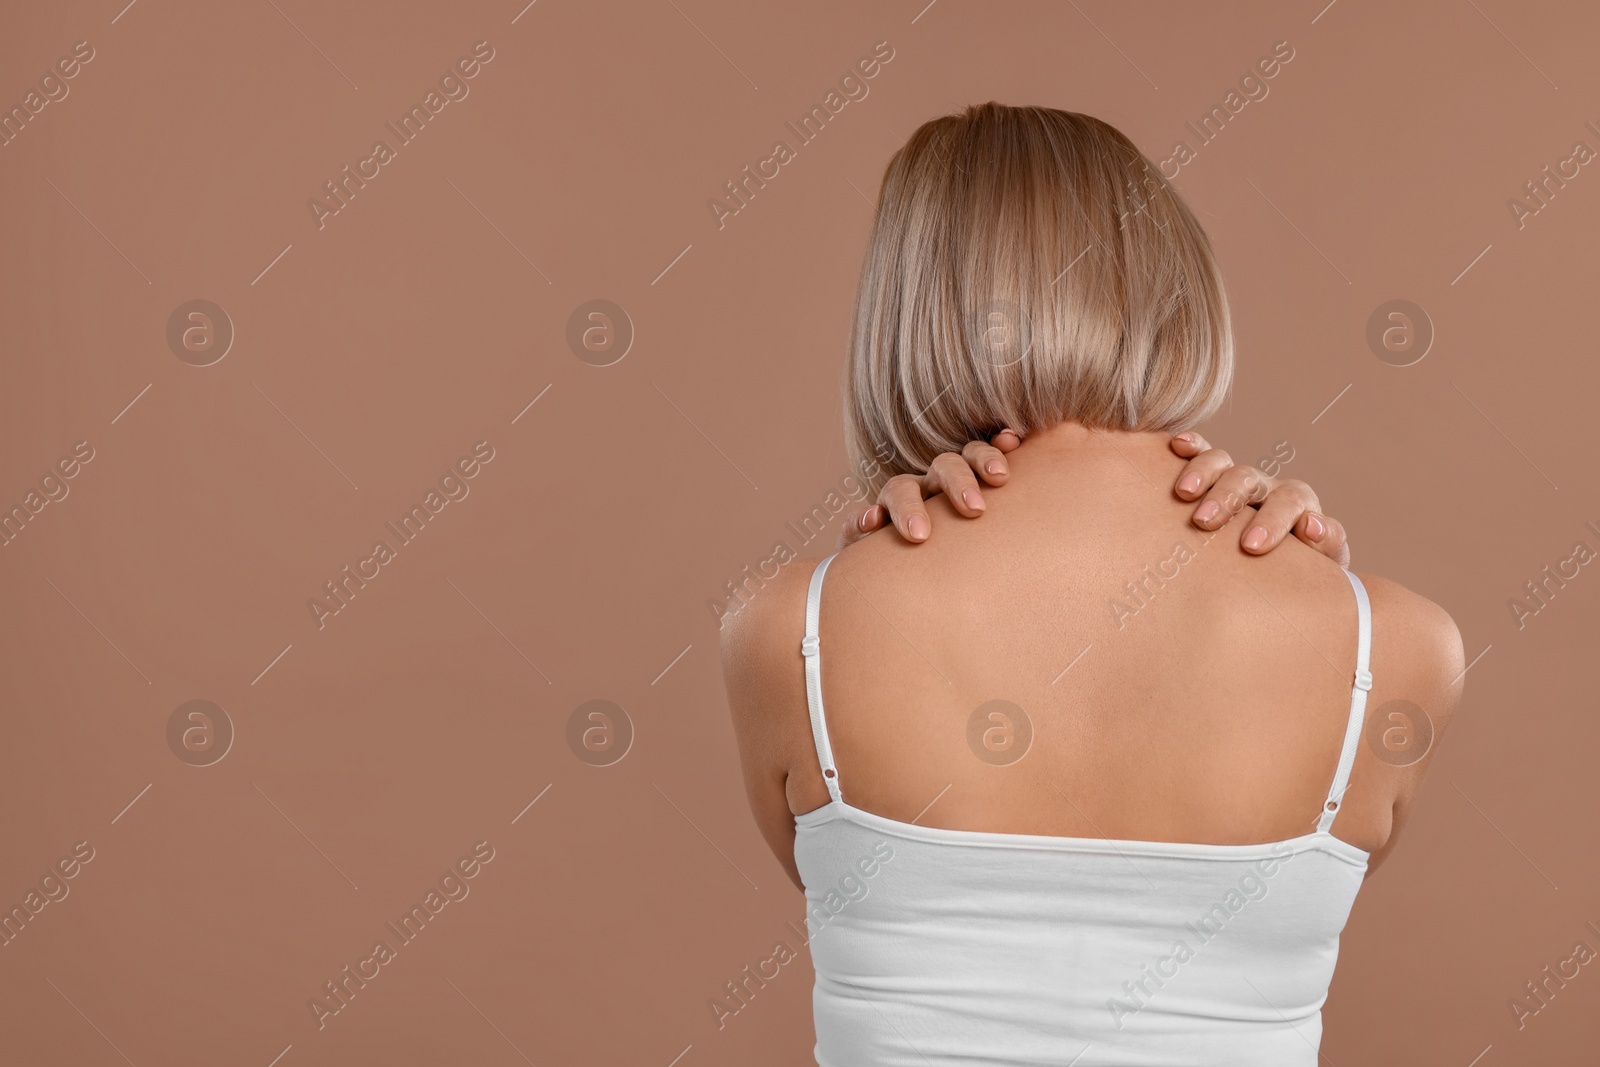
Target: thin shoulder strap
{"type": "Point", "coordinates": [1358, 705]}
{"type": "Point", "coordinates": [809, 648]}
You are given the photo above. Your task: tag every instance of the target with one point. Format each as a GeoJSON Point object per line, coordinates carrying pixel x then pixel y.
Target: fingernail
{"type": "Point", "coordinates": [1314, 528]}
{"type": "Point", "coordinates": [1189, 484]}
{"type": "Point", "coordinates": [971, 498]}
{"type": "Point", "coordinates": [917, 527]}
{"type": "Point", "coordinates": [994, 466]}
{"type": "Point", "coordinates": [1186, 438]}
{"type": "Point", "coordinates": [865, 519]}
{"type": "Point", "coordinates": [1255, 537]}
{"type": "Point", "coordinates": [1208, 511]}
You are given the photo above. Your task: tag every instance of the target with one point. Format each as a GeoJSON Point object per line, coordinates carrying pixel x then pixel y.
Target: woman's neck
{"type": "Point", "coordinates": [1072, 442]}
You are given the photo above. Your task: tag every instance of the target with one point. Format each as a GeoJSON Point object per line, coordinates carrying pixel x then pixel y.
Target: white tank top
{"type": "Point", "coordinates": [937, 947]}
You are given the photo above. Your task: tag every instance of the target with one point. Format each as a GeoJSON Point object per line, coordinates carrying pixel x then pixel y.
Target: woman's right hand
{"type": "Point", "coordinates": [1220, 488]}
{"type": "Point", "coordinates": [951, 473]}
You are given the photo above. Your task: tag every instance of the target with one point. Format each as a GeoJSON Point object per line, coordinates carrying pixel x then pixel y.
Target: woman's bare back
{"type": "Point", "coordinates": [1083, 662]}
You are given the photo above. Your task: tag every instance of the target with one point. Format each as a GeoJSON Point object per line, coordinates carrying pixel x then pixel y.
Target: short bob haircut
{"type": "Point", "coordinates": [1028, 266]}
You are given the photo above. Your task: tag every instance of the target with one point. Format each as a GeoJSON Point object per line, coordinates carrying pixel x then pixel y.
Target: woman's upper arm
{"type": "Point", "coordinates": [1433, 663]}
{"type": "Point", "coordinates": [762, 686]}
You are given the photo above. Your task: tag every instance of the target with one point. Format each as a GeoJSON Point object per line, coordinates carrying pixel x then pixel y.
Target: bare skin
{"type": "Point", "coordinates": [1212, 712]}
{"type": "Point", "coordinates": [1210, 480]}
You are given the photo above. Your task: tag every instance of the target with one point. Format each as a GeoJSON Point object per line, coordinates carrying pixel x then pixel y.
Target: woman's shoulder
{"type": "Point", "coordinates": [1424, 626]}
{"type": "Point", "coordinates": [760, 637]}
{"type": "Point", "coordinates": [766, 608]}
{"type": "Point", "coordinates": [1417, 653]}
{"type": "Point", "coordinates": [764, 673]}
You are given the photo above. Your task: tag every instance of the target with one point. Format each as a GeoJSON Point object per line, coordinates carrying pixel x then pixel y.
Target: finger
{"type": "Point", "coordinates": [950, 475]}
{"type": "Point", "coordinates": [1236, 489]}
{"type": "Point", "coordinates": [860, 524]}
{"type": "Point", "coordinates": [1201, 473]}
{"type": "Point", "coordinates": [1278, 514]}
{"type": "Point", "coordinates": [1007, 440]}
{"type": "Point", "coordinates": [1326, 535]}
{"type": "Point", "coordinates": [902, 497]}
{"type": "Point", "coordinates": [1188, 444]}
{"type": "Point", "coordinates": [988, 461]}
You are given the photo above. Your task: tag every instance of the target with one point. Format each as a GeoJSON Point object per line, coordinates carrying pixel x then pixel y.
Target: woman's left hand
{"type": "Point", "coordinates": [1285, 503]}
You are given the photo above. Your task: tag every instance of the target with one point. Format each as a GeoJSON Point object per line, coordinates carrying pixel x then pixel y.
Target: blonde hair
{"type": "Point", "coordinates": [1028, 266]}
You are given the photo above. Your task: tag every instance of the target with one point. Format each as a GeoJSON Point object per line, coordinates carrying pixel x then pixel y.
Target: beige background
{"type": "Point", "coordinates": [374, 352]}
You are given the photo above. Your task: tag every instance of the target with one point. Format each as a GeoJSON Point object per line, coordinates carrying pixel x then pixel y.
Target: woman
{"type": "Point", "coordinates": [1080, 783]}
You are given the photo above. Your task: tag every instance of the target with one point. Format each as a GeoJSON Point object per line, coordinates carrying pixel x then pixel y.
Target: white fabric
{"type": "Point", "coordinates": [937, 947]}
{"type": "Point", "coordinates": [810, 648]}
